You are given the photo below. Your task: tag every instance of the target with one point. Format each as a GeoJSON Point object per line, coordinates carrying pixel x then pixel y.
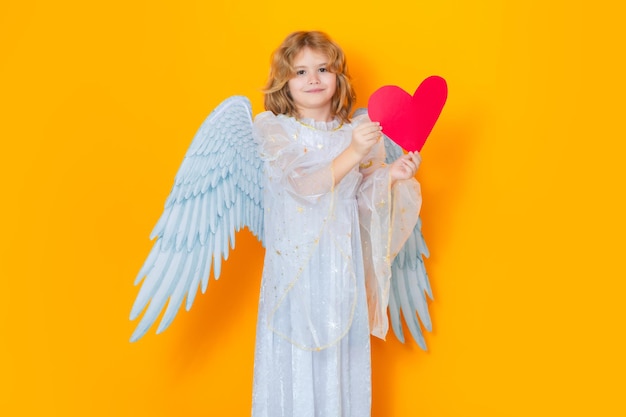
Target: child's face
{"type": "Point", "coordinates": [313, 86]}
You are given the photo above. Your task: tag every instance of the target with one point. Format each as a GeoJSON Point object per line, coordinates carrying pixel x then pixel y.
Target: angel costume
{"type": "Point", "coordinates": [327, 271]}
{"type": "Point", "coordinates": [330, 253]}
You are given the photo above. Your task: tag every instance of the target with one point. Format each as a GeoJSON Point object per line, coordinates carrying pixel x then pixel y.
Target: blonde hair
{"type": "Point", "coordinates": [278, 100]}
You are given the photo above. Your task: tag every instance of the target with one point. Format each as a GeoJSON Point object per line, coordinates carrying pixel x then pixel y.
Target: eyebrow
{"type": "Point", "coordinates": [319, 65]}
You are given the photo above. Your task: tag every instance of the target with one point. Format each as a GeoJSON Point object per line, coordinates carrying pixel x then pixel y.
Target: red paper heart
{"type": "Point", "coordinates": [406, 119]}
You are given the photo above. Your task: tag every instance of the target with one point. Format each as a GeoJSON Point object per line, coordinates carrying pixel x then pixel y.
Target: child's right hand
{"type": "Point", "coordinates": [365, 136]}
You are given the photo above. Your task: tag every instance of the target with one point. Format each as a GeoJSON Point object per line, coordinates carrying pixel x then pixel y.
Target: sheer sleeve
{"type": "Point", "coordinates": [387, 216]}
{"type": "Point", "coordinates": [304, 173]}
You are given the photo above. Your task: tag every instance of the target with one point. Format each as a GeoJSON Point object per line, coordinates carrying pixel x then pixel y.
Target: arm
{"type": "Point", "coordinates": [364, 137]}
{"type": "Point", "coordinates": [304, 175]}
{"type": "Point", "coordinates": [405, 167]}
{"type": "Point", "coordinates": [389, 204]}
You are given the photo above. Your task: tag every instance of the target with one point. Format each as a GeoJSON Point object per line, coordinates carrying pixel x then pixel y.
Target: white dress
{"type": "Point", "coordinates": [312, 355]}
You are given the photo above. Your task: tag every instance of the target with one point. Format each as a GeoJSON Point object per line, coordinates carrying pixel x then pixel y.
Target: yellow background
{"type": "Point", "coordinates": [523, 201]}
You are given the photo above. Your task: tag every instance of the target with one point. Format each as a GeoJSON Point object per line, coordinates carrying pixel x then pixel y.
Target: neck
{"type": "Point", "coordinates": [319, 115]}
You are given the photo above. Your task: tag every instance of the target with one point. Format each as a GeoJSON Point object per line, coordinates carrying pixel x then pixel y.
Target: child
{"type": "Point", "coordinates": [335, 216]}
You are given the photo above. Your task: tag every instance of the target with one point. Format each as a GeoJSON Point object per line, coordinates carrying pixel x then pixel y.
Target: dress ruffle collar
{"type": "Point", "coordinates": [325, 126]}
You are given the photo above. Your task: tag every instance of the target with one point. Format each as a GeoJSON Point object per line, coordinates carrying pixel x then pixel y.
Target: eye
{"type": "Point", "coordinates": [323, 70]}
{"type": "Point", "coordinates": [300, 72]}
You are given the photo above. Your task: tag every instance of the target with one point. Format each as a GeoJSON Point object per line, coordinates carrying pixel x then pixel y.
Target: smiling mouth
{"type": "Point", "coordinates": [315, 90]}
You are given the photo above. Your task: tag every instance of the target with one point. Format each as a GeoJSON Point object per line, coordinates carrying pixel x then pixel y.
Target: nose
{"type": "Point", "coordinates": [314, 78]}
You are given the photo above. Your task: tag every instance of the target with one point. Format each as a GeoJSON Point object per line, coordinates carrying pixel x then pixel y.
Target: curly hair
{"type": "Point", "coordinates": [278, 99]}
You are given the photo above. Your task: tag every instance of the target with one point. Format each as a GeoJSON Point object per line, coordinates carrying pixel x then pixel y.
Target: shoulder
{"type": "Point", "coordinates": [269, 123]}
{"type": "Point", "coordinates": [264, 116]}
{"type": "Point", "coordinates": [271, 118]}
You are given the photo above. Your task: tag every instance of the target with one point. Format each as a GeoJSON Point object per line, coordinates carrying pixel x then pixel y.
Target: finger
{"type": "Point", "coordinates": [375, 136]}
{"type": "Point", "coordinates": [414, 158]}
{"type": "Point", "coordinates": [369, 127]}
{"type": "Point", "coordinates": [410, 165]}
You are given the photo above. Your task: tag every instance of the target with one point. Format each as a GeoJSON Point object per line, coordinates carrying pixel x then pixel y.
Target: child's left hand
{"type": "Point", "coordinates": [405, 167]}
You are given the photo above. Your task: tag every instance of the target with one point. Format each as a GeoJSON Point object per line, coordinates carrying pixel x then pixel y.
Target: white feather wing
{"type": "Point", "coordinates": [217, 191]}
{"type": "Point", "coordinates": [409, 280]}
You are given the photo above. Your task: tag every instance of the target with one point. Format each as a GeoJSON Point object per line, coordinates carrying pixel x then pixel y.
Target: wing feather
{"type": "Point", "coordinates": [396, 325]}
{"type": "Point", "coordinates": [194, 218]}
{"type": "Point", "coordinates": [152, 282]}
{"type": "Point", "coordinates": [181, 288]}
{"type": "Point", "coordinates": [217, 191]}
{"type": "Point", "coordinates": [195, 280]}
{"type": "Point", "coordinates": [411, 287]}
{"type": "Point", "coordinates": [406, 305]}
